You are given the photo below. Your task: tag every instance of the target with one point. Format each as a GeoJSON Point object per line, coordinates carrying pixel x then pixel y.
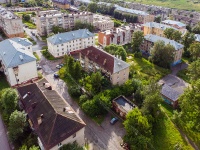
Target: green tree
{"type": "Point", "coordinates": [137, 40]}
{"type": "Point", "coordinates": [190, 104]}
{"type": "Point", "coordinates": [57, 29]}
{"type": "Point", "coordinates": [152, 99]}
{"type": "Point", "coordinates": [122, 53]}
{"type": "Point", "coordinates": [187, 40]}
{"type": "Point", "coordinates": [26, 17]}
{"type": "Point", "coordinates": [81, 25]}
{"type": "Point", "coordinates": [194, 70]}
{"type": "Point", "coordinates": [83, 99]}
{"type": "Point", "coordinates": [77, 71]}
{"type": "Point", "coordinates": [196, 29]}
{"type": "Point", "coordinates": [162, 55]}
{"type": "Point", "coordinates": [9, 99]}
{"type": "Point", "coordinates": [70, 65]}
{"type": "Point", "coordinates": [96, 81]}
{"type": "Point", "coordinates": [158, 19]}
{"type": "Point", "coordinates": [194, 50]}
{"type": "Point", "coordinates": [17, 123]}
{"type": "Point", "coordinates": [168, 32]}
{"type": "Point", "coordinates": [71, 146]}
{"type": "Point", "coordinates": [92, 7]}
{"type": "Point", "coordinates": [34, 148]}
{"type": "Point", "coordinates": [138, 130]}
{"type": "Point", "coordinates": [176, 36]}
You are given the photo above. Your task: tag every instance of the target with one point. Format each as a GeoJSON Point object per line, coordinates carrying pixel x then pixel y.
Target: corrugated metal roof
{"type": "Point", "coordinates": [13, 53]}
{"type": "Point", "coordinates": [155, 38]}
{"type": "Point", "coordinates": [69, 36]}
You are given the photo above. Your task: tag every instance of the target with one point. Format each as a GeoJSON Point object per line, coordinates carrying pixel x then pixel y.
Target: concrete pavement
{"type": "Point", "coordinates": [4, 145]}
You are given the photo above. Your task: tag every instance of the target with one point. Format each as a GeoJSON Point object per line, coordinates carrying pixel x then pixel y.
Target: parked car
{"type": "Point", "coordinates": [58, 66]}
{"type": "Point", "coordinates": [56, 75]}
{"type": "Point", "coordinates": [113, 120]}
{"type": "Point", "coordinates": [61, 65]}
{"type": "Point", "coordinates": [39, 67]}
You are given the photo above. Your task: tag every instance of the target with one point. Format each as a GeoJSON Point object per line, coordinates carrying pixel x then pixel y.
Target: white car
{"type": "Point", "coordinates": [58, 66]}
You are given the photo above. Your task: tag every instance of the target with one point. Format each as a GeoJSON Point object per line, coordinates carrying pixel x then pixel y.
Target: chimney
{"type": "Point", "coordinates": [104, 62]}
{"type": "Point", "coordinates": [64, 109]}
{"type": "Point", "coordinates": [39, 119]}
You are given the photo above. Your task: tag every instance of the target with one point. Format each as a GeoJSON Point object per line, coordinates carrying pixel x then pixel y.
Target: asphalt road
{"type": "Point", "coordinates": [4, 145]}
{"type": "Point", "coordinates": [106, 136]}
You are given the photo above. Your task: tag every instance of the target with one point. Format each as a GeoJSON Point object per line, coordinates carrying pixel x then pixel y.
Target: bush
{"type": "Point", "coordinates": [74, 91]}
{"type": "Point", "coordinates": [83, 99]}
{"type": "Point", "coordinates": [138, 55]}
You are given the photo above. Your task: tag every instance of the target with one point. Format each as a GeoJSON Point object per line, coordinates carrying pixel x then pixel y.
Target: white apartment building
{"type": "Point", "coordinates": [45, 20]}
{"type": "Point", "coordinates": [102, 22]}
{"type": "Point", "coordinates": [10, 23]}
{"type": "Point", "coordinates": [119, 36]}
{"type": "Point", "coordinates": [64, 43]}
{"type": "Point", "coordinates": [17, 60]}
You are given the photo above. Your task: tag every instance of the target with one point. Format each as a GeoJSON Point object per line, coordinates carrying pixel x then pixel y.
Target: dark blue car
{"type": "Point", "coordinates": [113, 120]}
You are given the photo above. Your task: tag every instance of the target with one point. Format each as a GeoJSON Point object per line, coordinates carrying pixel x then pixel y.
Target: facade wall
{"type": "Point", "coordinates": [155, 31]}
{"type": "Point", "coordinates": [26, 72]}
{"type": "Point", "coordinates": [62, 49]}
{"type": "Point", "coordinates": [120, 77]}
{"type": "Point", "coordinates": [78, 137]}
{"type": "Point", "coordinates": [63, 6]}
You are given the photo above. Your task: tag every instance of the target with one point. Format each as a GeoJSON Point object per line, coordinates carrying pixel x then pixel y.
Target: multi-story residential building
{"type": "Point", "coordinates": [63, 4]}
{"type": "Point", "coordinates": [175, 24]}
{"type": "Point", "coordinates": [45, 20]}
{"type": "Point", "coordinates": [150, 39]}
{"type": "Point", "coordinates": [64, 43]}
{"type": "Point", "coordinates": [50, 117]}
{"type": "Point", "coordinates": [119, 36]}
{"type": "Point", "coordinates": [93, 59]}
{"type": "Point", "coordinates": [17, 60]}
{"type": "Point", "coordinates": [102, 22]}
{"type": "Point", "coordinates": [155, 28]}
{"type": "Point", "coordinates": [11, 24]}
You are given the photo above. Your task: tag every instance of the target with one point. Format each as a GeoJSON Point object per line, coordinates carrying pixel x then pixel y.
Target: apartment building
{"type": "Point", "coordinates": [151, 39]}
{"type": "Point", "coordinates": [64, 43]}
{"type": "Point", "coordinates": [93, 59]}
{"type": "Point", "coordinates": [175, 24]}
{"type": "Point", "coordinates": [17, 60]}
{"type": "Point", "coordinates": [119, 36]}
{"type": "Point", "coordinates": [50, 117]}
{"type": "Point", "coordinates": [102, 22]}
{"type": "Point", "coordinates": [45, 20]}
{"type": "Point", "coordinates": [155, 28]}
{"type": "Point", "coordinates": [10, 23]}
{"type": "Point", "coordinates": [63, 4]}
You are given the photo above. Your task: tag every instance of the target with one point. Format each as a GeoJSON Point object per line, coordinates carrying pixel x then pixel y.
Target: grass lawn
{"type": "Point", "coordinates": [47, 55]}
{"type": "Point", "coordinates": [144, 70]}
{"type": "Point", "coordinates": [183, 75]}
{"type": "Point", "coordinates": [98, 119]}
{"type": "Point", "coordinates": [167, 136]}
{"type": "Point", "coordinates": [31, 40]}
{"type": "Point", "coordinates": [29, 24]}
{"type": "Point", "coordinates": [179, 4]}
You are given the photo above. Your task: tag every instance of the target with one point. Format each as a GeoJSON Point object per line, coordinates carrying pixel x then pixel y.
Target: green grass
{"type": "Point", "coordinates": [144, 70]}
{"type": "Point", "coordinates": [183, 75]}
{"type": "Point", "coordinates": [30, 39]}
{"type": "Point", "coordinates": [167, 108]}
{"type": "Point", "coordinates": [167, 136]}
{"type": "Point", "coordinates": [36, 55]}
{"type": "Point", "coordinates": [47, 55]}
{"type": "Point", "coordinates": [29, 24]}
{"type": "Point", "coordinates": [179, 4]}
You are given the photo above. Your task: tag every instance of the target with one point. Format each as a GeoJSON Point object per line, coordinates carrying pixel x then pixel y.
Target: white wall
{"type": "Point", "coordinates": [62, 49]}
{"type": "Point", "coordinates": [26, 72]}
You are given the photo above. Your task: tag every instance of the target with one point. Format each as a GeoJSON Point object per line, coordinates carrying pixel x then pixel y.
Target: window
{"type": "Point", "coordinates": [74, 135]}
{"type": "Point", "coordinates": [59, 145]}
{"type": "Point", "coordinates": [28, 47]}
{"type": "Point", "coordinates": [58, 50]}
{"type": "Point", "coordinates": [63, 49]}
{"type": "Point", "coordinates": [58, 54]}
{"type": "Point", "coordinates": [57, 45]}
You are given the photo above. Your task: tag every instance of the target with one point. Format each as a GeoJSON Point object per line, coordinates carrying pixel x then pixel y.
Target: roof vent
{"type": "Point", "coordinates": [88, 33]}
{"type": "Point", "coordinates": [73, 34]}
{"type": "Point", "coordinates": [39, 119]}
{"type": "Point", "coordinates": [60, 39]}
{"type": "Point", "coordinates": [21, 57]}
{"type": "Point", "coordinates": [19, 40]}
{"type": "Point", "coordinates": [4, 53]}
{"type": "Point", "coordinates": [119, 64]}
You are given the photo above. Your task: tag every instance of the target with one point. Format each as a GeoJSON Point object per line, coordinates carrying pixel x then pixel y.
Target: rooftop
{"type": "Point", "coordinates": [124, 103]}
{"type": "Point", "coordinates": [104, 59]}
{"type": "Point", "coordinates": [155, 38]}
{"type": "Point", "coordinates": [13, 53]}
{"type": "Point", "coordinates": [158, 25]}
{"type": "Point", "coordinates": [63, 2]}
{"type": "Point", "coordinates": [58, 120]}
{"type": "Point", "coordinates": [69, 36]}
{"type": "Point", "coordinates": [172, 22]}
{"type": "Point", "coordinates": [7, 14]}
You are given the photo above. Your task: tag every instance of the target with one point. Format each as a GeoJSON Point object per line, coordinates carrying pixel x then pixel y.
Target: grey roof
{"type": "Point", "coordinates": [172, 22]}
{"type": "Point", "coordinates": [170, 93]}
{"type": "Point", "coordinates": [155, 38]}
{"type": "Point", "coordinates": [158, 25]}
{"type": "Point", "coordinates": [197, 36]}
{"type": "Point", "coordinates": [119, 65]}
{"type": "Point", "coordinates": [22, 41]}
{"type": "Point", "coordinates": [13, 53]}
{"type": "Point", "coordinates": [123, 9]}
{"type": "Point", "coordinates": [69, 36]}
{"type": "Point", "coordinates": [62, 1]}
{"type": "Point", "coordinates": [84, 1]}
